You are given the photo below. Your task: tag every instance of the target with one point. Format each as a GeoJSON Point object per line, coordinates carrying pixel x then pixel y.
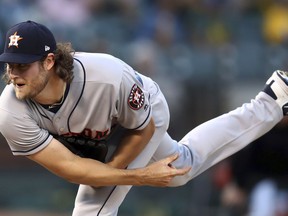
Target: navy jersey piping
{"type": "Point", "coordinates": [43, 115]}
{"type": "Point", "coordinates": [84, 82]}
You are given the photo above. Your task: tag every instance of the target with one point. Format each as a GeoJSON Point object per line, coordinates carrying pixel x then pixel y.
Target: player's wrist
{"type": "Point", "coordinates": [135, 177]}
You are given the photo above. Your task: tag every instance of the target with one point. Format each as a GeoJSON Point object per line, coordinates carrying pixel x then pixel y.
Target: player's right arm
{"type": "Point", "coordinates": [62, 162]}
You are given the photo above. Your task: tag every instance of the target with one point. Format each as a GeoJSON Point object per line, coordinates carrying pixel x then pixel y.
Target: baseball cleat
{"type": "Point", "coordinates": [277, 87]}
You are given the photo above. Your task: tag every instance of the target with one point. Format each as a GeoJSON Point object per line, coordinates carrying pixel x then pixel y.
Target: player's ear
{"type": "Point", "coordinates": [49, 61]}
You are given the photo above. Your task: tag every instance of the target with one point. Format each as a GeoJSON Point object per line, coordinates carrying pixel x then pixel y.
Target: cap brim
{"type": "Point", "coordinates": [19, 58]}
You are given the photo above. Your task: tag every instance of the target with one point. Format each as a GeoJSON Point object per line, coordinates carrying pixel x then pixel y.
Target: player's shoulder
{"type": "Point", "coordinates": [100, 66]}
{"type": "Point", "coordinates": [101, 60]}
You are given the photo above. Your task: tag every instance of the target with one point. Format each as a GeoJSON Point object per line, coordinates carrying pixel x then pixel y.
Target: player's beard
{"type": "Point", "coordinates": [34, 86]}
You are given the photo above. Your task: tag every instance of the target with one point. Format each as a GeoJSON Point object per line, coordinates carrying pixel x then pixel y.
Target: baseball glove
{"type": "Point", "coordinates": [85, 147]}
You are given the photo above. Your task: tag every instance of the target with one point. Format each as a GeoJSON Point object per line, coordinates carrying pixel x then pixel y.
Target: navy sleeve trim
{"type": "Point", "coordinates": [144, 120]}
{"type": "Point", "coordinates": [26, 151]}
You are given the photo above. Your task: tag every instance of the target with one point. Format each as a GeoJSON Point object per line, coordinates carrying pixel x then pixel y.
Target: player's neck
{"type": "Point", "coordinates": [52, 93]}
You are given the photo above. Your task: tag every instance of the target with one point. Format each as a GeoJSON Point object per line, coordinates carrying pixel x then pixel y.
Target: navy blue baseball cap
{"type": "Point", "coordinates": [27, 42]}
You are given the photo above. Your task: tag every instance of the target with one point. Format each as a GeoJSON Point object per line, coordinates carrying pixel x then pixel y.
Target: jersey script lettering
{"type": "Point", "coordinates": [92, 134]}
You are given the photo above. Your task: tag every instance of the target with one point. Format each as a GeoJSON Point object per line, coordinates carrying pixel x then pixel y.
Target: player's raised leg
{"type": "Point", "coordinates": [221, 137]}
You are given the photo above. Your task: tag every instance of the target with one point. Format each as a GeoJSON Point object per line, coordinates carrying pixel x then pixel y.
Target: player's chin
{"type": "Point", "coordinates": [21, 94]}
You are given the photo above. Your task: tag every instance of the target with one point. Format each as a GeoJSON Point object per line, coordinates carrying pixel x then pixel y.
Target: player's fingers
{"type": "Point", "coordinates": [183, 171]}
{"type": "Point", "coordinates": [179, 172]}
{"type": "Point", "coordinates": [171, 158]}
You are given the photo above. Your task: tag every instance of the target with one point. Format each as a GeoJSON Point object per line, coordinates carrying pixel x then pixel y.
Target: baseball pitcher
{"type": "Point", "coordinates": [63, 110]}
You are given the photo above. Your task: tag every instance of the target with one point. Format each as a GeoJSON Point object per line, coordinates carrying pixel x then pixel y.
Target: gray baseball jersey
{"type": "Point", "coordinates": [106, 91]}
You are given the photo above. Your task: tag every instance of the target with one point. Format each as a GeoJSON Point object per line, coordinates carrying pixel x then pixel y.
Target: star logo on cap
{"type": "Point", "coordinates": [14, 40]}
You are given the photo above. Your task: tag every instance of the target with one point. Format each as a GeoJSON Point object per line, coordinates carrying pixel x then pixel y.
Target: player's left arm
{"type": "Point", "coordinates": [131, 146]}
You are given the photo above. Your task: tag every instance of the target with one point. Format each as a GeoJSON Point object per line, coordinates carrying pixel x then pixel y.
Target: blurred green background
{"type": "Point", "coordinates": [208, 56]}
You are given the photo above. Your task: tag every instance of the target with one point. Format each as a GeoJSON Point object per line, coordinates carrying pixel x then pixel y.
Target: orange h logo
{"type": "Point", "coordinates": [14, 40]}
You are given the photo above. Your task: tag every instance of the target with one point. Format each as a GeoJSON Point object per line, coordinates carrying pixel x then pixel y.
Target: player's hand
{"type": "Point", "coordinates": [161, 173]}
